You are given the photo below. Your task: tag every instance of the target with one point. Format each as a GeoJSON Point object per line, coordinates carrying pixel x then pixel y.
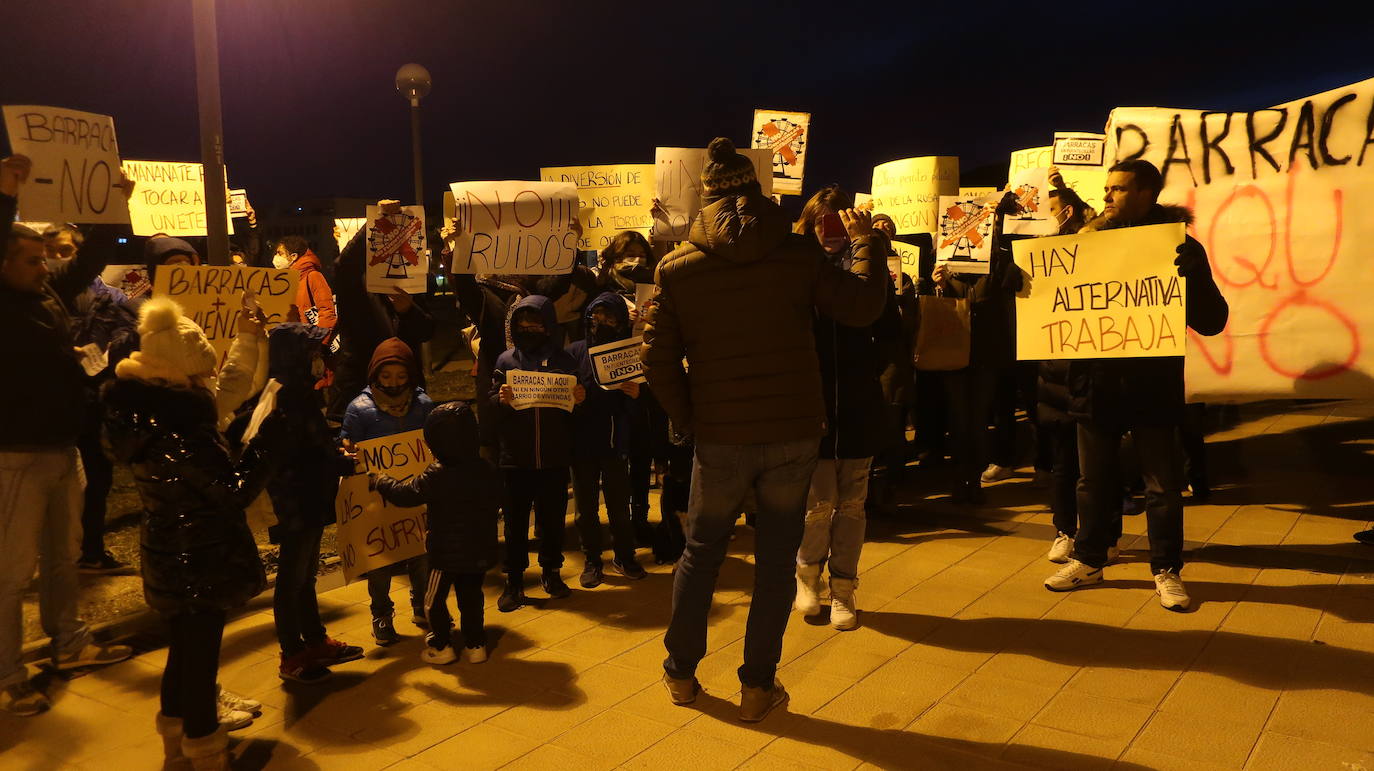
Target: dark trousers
{"type": "Point", "coordinates": [294, 605]}
{"type": "Point", "coordinates": [99, 480]}
{"type": "Point", "coordinates": [1192, 433]}
{"type": "Point", "coordinates": [968, 394]}
{"type": "Point", "coordinates": [930, 413]}
{"type": "Point", "coordinates": [188, 682]}
{"type": "Point", "coordinates": [379, 587]}
{"type": "Point", "coordinates": [1016, 388]}
{"type": "Point", "coordinates": [606, 478]}
{"type": "Point", "coordinates": [547, 491]}
{"type": "Point", "coordinates": [467, 587]}
{"type": "Point", "coordinates": [639, 470]}
{"type": "Point", "coordinates": [1099, 492]}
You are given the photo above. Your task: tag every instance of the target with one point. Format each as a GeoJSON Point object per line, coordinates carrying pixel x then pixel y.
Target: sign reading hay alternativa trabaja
{"type": "Point", "coordinates": [373, 533]}
{"type": "Point", "coordinates": [909, 190]}
{"type": "Point", "coordinates": [212, 296]}
{"type": "Point", "coordinates": [785, 135]}
{"type": "Point", "coordinates": [618, 362]}
{"type": "Point", "coordinates": [1111, 294]}
{"type": "Point", "coordinates": [169, 197]}
{"type": "Point", "coordinates": [515, 227]}
{"type": "Point", "coordinates": [612, 198]}
{"type": "Point", "coordinates": [541, 389]}
{"type": "Point", "coordinates": [75, 156]}
{"type": "Point", "coordinates": [397, 257]}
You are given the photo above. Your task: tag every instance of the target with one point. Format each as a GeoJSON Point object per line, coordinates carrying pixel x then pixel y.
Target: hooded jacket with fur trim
{"type": "Point", "coordinates": [198, 552]}
{"type": "Point", "coordinates": [538, 437]}
{"type": "Point", "coordinates": [1146, 391]}
{"type": "Point", "coordinates": [738, 301]}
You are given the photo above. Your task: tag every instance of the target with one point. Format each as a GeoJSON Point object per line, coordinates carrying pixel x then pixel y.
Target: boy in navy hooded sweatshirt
{"type": "Point", "coordinates": [602, 425]}
{"type": "Point", "coordinates": [535, 449]}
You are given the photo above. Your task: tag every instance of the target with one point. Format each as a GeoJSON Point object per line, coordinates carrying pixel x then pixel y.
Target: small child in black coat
{"type": "Point", "coordinates": [464, 494]}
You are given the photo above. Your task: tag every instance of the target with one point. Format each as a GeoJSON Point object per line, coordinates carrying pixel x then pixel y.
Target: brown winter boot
{"type": "Point", "coordinates": [169, 728]}
{"type": "Point", "coordinates": [208, 753]}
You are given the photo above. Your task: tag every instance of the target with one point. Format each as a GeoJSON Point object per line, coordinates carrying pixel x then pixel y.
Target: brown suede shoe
{"type": "Point", "coordinates": [756, 703]}
{"type": "Point", "coordinates": [682, 690]}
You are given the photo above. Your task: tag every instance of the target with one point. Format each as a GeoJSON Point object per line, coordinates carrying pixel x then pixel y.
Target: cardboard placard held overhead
{"type": "Point", "coordinates": [75, 165]}
{"type": "Point", "coordinates": [132, 280]}
{"type": "Point", "coordinates": [212, 296]}
{"type": "Point", "coordinates": [1086, 181]}
{"type": "Point", "coordinates": [238, 203]}
{"type": "Point", "coordinates": [1032, 190]}
{"type": "Point", "coordinates": [618, 362]}
{"type": "Point", "coordinates": [1280, 198]}
{"type": "Point", "coordinates": [612, 198]}
{"type": "Point", "coordinates": [515, 227]}
{"type": "Point", "coordinates": [1110, 294]}
{"type": "Point", "coordinates": [785, 135]}
{"type": "Point", "coordinates": [169, 197]}
{"type": "Point", "coordinates": [1075, 148]}
{"type": "Point", "coordinates": [541, 389]}
{"type": "Point", "coordinates": [964, 240]}
{"type": "Point", "coordinates": [372, 533]}
{"type": "Point", "coordinates": [397, 257]}
{"type": "Point", "coordinates": [909, 190]}
{"type": "Point", "coordinates": [677, 185]}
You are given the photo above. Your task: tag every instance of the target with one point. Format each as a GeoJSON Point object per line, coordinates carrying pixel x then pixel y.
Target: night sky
{"type": "Point", "coordinates": [310, 106]}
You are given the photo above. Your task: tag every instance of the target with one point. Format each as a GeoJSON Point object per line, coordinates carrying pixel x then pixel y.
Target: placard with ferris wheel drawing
{"type": "Point", "coordinates": [787, 135]}
{"type": "Point", "coordinates": [396, 253]}
{"type": "Point", "coordinates": [963, 239]}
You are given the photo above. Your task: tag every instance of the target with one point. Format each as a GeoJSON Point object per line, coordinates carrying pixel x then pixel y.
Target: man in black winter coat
{"type": "Point", "coordinates": [1144, 396]}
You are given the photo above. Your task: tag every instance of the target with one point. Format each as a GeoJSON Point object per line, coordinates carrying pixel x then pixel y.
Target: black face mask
{"type": "Point", "coordinates": [605, 334]}
{"type": "Point", "coordinates": [529, 342]}
{"type": "Point", "coordinates": [393, 391]}
{"type": "Point", "coordinates": [639, 274]}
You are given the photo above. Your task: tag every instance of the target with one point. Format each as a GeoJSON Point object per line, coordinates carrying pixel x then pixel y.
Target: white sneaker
{"type": "Point", "coordinates": [808, 589]}
{"type": "Point", "coordinates": [843, 613]}
{"type": "Point", "coordinates": [1072, 576]}
{"type": "Point", "coordinates": [233, 719]}
{"type": "Point", "coordinates": [475, 655]}
{"type": "Point", "coordinates": [229, 700]}
{"type": "Point", "coordinates": [996, 473]}
{"type": "Point", "coordinates": [1062, 549]}
{"type": "Point", "coordinates": [439, 656]}
{"type": "Point", "coordinates": [1170, 589]}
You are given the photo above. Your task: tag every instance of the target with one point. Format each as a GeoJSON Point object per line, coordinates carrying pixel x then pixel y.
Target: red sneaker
{"type": "Point", "coordinates": [331, 652]}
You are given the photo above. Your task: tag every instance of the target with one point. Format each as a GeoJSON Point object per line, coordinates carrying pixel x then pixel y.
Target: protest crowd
{"type": "Point", "coordinates": [786, 376]}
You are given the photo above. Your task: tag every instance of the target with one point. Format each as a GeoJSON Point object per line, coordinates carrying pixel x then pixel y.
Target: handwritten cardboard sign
{"type": "Point", "coordinates": [373, 533]}
{"type": "Point", "coordinates": [617, 363]}
{"type": "Point", "coordinates": [909, 190]}
{"type": "Point", "coordinates": [785, 135]}
{"type": "Point", "coordinates": [964, 239]}
{"type": "Point", "coordinates": [541, 389]}
{"type": "Point", "coordinates": [396, 254]}
{"type": "Point", "coordinates": [169, 197]}
{"type": "Point", "coordinates": [345, 228]}
{"type": "Point", "coordinates": [1106, 295]}
{"type": "Point", "coordinates": [75, 164]}
{"type": "Point", "coordinates": [677, 182]}
{"type": "Point", "coordinates": [212, 296]}
{"type": "Point", "coordinates": [515, 227]}
{"type": "Point", "coordinates": [132, 280]}
{"type": "Point", "coordinates": [612, 199]}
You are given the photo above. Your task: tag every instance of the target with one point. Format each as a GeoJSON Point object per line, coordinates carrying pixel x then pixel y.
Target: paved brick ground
{"type": "Point", "coordinates": [962, 661]}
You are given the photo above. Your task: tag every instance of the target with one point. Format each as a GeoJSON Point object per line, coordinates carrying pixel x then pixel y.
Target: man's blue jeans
{"type": "Point", "coordinates": [779, 474]}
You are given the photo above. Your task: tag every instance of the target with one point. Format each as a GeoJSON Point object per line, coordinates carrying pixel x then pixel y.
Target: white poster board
{"type": "Point", "coordinates": [677, 185]}
{"type": "Point", "coordinates": [785, 135]}
{"type": "Point", "coordinates": [1032, 188]}
{"type": "Point", "coordinates": [515, 227]}
{"type": "Point", "coordinates": [169, 197]}
{"type": "Point", "coordinates": [541, 389]}
{"type": "Point", "coordinates": [613, 198]}
{"type": "Point", "coordinates": [396, 254]}
{"type": "Point", "coordinates": [373, 533]}
{"type": "Point", "coordinates": [347, 227]}
{"type": "Point", "coordinates": [238, 202]}
{"type": "Point", "coordinates": [964, 239]}
{"type": "Point", "coordinates": [908, 190]}
{"type": "Point", "coordinates": [618, 362]}
{"type": "Point", "coordinates": [75, 164]}
{"type": "Point", "coordinates": [1076, 148]}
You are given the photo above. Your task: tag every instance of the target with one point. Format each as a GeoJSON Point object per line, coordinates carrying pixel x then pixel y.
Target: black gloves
{"type": "Point", "coordinates": [1192, 260]}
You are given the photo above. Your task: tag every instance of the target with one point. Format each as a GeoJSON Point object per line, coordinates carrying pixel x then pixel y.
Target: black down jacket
{"type": "Point", "coordinates": [198, 552]}
{"type": "Point", "coordinates": [462, 491]}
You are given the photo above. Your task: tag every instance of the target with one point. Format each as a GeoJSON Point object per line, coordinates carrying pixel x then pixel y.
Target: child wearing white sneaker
{"type": "Point", "coordinates": [463, 492]}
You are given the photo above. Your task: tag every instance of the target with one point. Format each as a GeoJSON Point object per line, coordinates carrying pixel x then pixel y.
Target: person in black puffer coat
{"type": "Point", "coordinates": [199, 557]}
{"type": "Point", "coordinates": [463, 493]}
{"type": "Point", "coordinates": [855, 419]}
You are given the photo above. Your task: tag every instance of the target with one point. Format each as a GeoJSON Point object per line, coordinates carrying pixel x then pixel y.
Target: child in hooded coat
{"type": "Point", "coordinates": [392, 403]}
{"type": "Point", "coordinates": [602, 425]}
{"type": "Point", "coordinates": [535, 449]}
{"type": "Point", "coordinates": [303, 501]}
{"type": "Point", "coordinates": [463, 494]}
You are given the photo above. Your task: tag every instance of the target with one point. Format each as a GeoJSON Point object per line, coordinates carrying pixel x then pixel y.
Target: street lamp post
{"type": "Point", "coordinates": [413, 81]}
{"type": "Point", "coordinates": [211, 131]}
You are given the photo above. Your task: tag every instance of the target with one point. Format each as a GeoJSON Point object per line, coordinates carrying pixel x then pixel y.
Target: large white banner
{"type": "Point", "coordinates": [1281, 199]}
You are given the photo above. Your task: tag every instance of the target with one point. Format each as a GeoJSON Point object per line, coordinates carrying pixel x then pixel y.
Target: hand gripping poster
{"type": "Point", "coordinates": [396, 253]}
{"type": "Point", "coordinates": [785, 135]}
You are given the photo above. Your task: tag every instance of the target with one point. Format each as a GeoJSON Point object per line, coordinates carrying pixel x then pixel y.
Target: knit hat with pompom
{"type": "Point", "coordinates": [726, 172]}
{"type": "Point", "coordinates": [172, 348]}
